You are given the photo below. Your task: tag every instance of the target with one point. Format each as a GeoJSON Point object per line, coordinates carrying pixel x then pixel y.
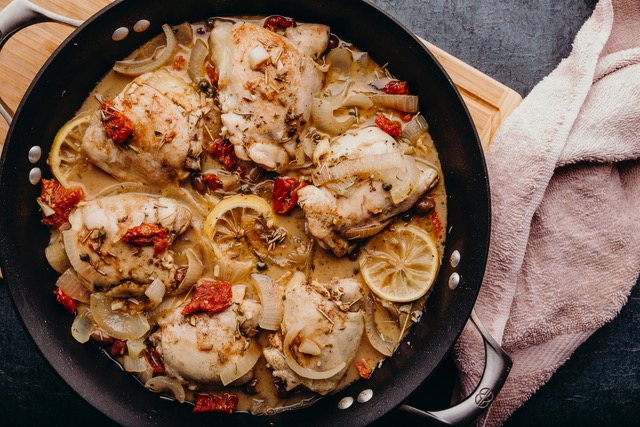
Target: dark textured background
{"type": "Point", "coordinates": [517, 43]}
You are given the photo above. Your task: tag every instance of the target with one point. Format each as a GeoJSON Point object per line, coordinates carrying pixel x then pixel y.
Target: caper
{"type": "Point", "coordinates": [406, 216]}
{"type": "Point", "coordinates": [262, 266]}
{"type": "Point", "coordinates": [251, 387]}
{"type": "Point", "coordinates": [84, 257]}
{"type": "Point", "coordinates": [387, 186]}
{"type": "Point", "coordinates": [102, 234]}
{"type": "Point", "coordinates": [210, 23]}
{"type": "Point", "coordinates": [203, 85]}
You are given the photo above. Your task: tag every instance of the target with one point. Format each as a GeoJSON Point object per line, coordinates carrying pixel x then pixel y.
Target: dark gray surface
{"type": "Point", "coordinates": [517, 43]}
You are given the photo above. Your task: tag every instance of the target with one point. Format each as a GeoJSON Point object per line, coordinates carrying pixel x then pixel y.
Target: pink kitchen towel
{"type": "Point", "coordinates": [564, 172]}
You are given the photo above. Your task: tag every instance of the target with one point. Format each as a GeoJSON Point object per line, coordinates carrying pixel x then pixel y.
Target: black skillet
{"type": "Point", "coordinates": [66, 80]}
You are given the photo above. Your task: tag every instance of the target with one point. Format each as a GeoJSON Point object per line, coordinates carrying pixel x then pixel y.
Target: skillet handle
{"type": "Point", "coordinates": [497, 367]}
{"type": "Point", "coordinates": [20, 14]}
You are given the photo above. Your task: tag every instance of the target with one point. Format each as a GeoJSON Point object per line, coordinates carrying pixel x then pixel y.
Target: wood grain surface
{"type": "Point", "coordinates": [488, 100]}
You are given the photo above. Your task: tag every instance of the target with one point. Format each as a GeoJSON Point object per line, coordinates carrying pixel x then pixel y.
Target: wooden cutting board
{"type": "Point", "coordinates": [488, 100]}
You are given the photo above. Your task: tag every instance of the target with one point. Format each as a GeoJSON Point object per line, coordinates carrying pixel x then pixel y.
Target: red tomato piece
{"type": "Point", "coordinates": [407, 117]}
{"type": "Point", "coordinates": [212, 181]}
{"type": "Point", "coordinates": [285, 194]}
{"type": "Point", "coordinates": [393, 128]}
{"type": "Point", "coordinates": [211, 73]}
{"type": "Point", "coordinates": [364, 369]}
{"type": "Point", "coordinates": [155, 361]}
{"type": "Point", "coordinates": [396, 88]}
{"type": "Point", "coordinates": [437, 225]}
{"type": "Point", "coordinates": [116, 124]}
{"type": "Point", "coordinates": [224, 152]}
{"type": "Point", "coordinates": [211, 296]}
{"type": "Point", "coordinates": [148, 235]}
{"type": "Point", "coordinates": [278, 23]}
{"type": "Point", "coordinates": [118, 348]}
{"type": "Point", "coordinates": [216, 403]}
{"type": "Point", "coordinates": [61, 200]}
{"type": "Point", "coordinates": [179, 63]}
{"type": "Point", "coordinates": [67, 302]}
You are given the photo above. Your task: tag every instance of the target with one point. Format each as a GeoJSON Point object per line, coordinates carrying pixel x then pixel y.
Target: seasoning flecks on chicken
{"type": "Point", "coordinates": [166, 114]}
{"type": "Point", "coordinates": [99, 255]}
{"type": "Point", "coordinates": [310, 39]}
{"type": "Point", "coordinates": [365, 197]}
{"type": "Point", "coordinates": [198, 347]}
{"type": "Point", "coordinates": [330, 324]}
{"type": "Point", "coordinates": [265, 87]}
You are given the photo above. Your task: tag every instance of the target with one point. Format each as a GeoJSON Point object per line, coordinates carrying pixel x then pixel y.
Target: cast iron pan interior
{"type": "Point", "coordinates": [57, 93]}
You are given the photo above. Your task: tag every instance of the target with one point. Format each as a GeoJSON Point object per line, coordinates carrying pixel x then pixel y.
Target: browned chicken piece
{"type": "Point", "coordinates": [166, 114]}
{"type": "Point", "coordinates": [266, 87]}
{"type": "Point", "coordinates": [310, 39]}
{"type": "Point", "coordinates": [329, 325]}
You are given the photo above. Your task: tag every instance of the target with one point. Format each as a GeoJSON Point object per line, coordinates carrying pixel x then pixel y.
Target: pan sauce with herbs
{"type": "Point", "coordinates": [247, 214]}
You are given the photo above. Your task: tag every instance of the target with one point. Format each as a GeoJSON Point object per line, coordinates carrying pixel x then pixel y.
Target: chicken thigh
{"type": "Point", "coordinates": [323, 325]}
{"type": "Point", "coordinates": [364, 180]}
{"type": "Point", "coordinates": [97, 243]}
{"type": "Point", "coordinates": [166, 116]}
{"type": "Point", "coordinates": [265, 87]}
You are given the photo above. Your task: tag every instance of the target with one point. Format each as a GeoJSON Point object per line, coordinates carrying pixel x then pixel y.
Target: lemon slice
{"type": "Point", "coordinates": [400, 264]}
{"type": "Point", "coordinates": [236, 224]}
{"type": "Point", "coordinates": [65, 157]}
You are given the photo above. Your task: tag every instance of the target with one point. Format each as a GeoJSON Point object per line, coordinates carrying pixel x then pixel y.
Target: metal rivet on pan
{"type": "Point", "coordinates": [141, 25]}
{"type": "Point", "coordinates": [34, 175]}
{"type": "Point", "coordinates": [35, 153]}
{"type": "Point", "coordinates": [365, 395]}
{"type": "Point", "coordinates": [454, 280]}
{"type": "Point", "coordinates": [454, 259]}
{"type": "Point", "coordinates": [120, 34]}
{"type": "Point", "coordinates": [345, 402]}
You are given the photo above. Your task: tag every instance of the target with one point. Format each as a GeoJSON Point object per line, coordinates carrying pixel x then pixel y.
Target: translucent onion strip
{"type": "Point", "coordinates": [248, 360]}
{"type": "Point", "coordinates": [156, 291]}
{"type": "Point", "coordinates": [84, 269]}
{"type": "Point", "coordinates": [130, 364]}
{"type": "Point", "coordinates": [71, 285]}
{"type": "Point", "coordinates": [137, 68]}
{"type": "Point", "coordinates": [56, 256]}
{"type": "Point", "coordinates": [166, 384]}
{"type": "Point", "coordinates": [82, 325]}
{"type": "Point", "coordinates": [270, 295]}
{"type": "Point", "coordinates": [358, 166]}
{"type": "Point", "coordinates": [377, 341]}
{"type": "Point", "coordinates": [119, 324]}
{"type": "Point", "coordinates": [301, 370]}
{"type": "Point", "coordinates": [414, 129]}
{"type": "Point", "coordinates": [231, 270]}
{"type": "Point", "coordinates": [406, 103]}
{"type": "Point", "coordinates": [195, 68]}
{"type": "Point", "coordinates": [135, 348]}
{"type": "Point", "coordinates": [365, 230]}
{"type": "Point", "coordinates": [322, 113]}
{"type": "Point", "coordinates": [194, 272]}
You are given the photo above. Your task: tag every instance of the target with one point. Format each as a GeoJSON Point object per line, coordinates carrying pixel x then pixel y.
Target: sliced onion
{"type": "Point", "coordinates": [166, 384]}
{"type": "Point", "coordinates": [46, 209]}
{"type": "Point", "coordinates": [377, 341]}
{"type": "Point", "coordinates": [358, 166]}
{"type": "Point", "coordinates": [130, 364]}
{"type": "Point", "coordinates": [301, 370]}
{"type": "Point", "coordinates": [365, 231]}
{"type": "Point", "coordinates": [137, 68]}
{"type": "Point", "coordinates": [403, 180]}
{"type": "Point", "coordinates": [414, 129]}
{"type": "Point", "coordinates": [359, 100]}
{"type": "Point", "coordinates": [71, 285]}
{"type": "Point", "coordinates": [155, 292]}
{"type": "Point", "coordinates": [248, 360]}
{"type": "Point", "coordinates": [83, 269]}
{"type": "Point", "coordinates": [406, 103]}
{"type": "Point", "coordinates": [322, 114]}
{"type": "Point", "coordinates": [380, 84]}
{"type": "Point", "coordinates": [118, 324]}
{"type": "Point", "coordinates": [230, 270]}
{"type": "Point", "coordinates": [135, 348]}
{"type": "Point", "coordinates": [194, 271]}
{"type": "Point", "coordinates": [167, 304]}
{"type": "Point", "coordinates": [270, 294]}
{"type": "Point", "coordinates": [199, 53]}
{"type": "Point", "coordinates": [56, 256]}
{"type": "Point", "coordinates": [82, 325]}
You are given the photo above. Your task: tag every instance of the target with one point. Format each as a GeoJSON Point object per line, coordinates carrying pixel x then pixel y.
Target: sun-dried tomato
{"type": "Point", "coordinates": [216, 403]}
{"type": "Point", "coordinates": [396, 88]}
{"type": "Point", "coordinates": [211, 73]}
{"type": "Point", "coordinates": [67, 302]}
{"type": "Point", "coordinates": [407, 117]}
{"type": "Point", "coordinates": [391, 127]}
{"type": "Point", "coordinates": [437, 225]}
{"type": "Point", "coordinates": [118, 348]}
{"type": "Point", "coordinates": [155, 361]}
{"type": "Point", "coordinates": [364, 369]}
{"type": "Point", "coordinates": [147, 235]}
{"type": "Point", "coordinates": [116, 124]}
{"type": "Point", "coordinates": [278, 23]}
{"type": "Point", "coordinates": [285, 194]}
{"type": "Point", "coordinates": [210, 296]}
{"type": "Point", "coordinates": [61, 200]}
{"type": "Point", "coordinates": [223, 150]}
{"type": "Point", "coordinates": [212, 181]}
{"type": "Point", "coordinates": [179, 63]}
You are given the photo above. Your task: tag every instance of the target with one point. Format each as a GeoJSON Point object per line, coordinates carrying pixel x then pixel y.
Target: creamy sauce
{"type": "Point", "coordinates": [298, 247]}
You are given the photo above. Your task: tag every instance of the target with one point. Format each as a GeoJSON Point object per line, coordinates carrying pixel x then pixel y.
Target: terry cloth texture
{"type": "Point", "coordinates": [564, 172]}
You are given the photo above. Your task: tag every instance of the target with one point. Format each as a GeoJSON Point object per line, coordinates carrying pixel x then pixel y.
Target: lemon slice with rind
{"type": "Point", "coordinates": [236, 225]}
{"type": "Point", "coordinates": [65, 157]}
{"type": "Point", "coordinates": [400, 264]}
